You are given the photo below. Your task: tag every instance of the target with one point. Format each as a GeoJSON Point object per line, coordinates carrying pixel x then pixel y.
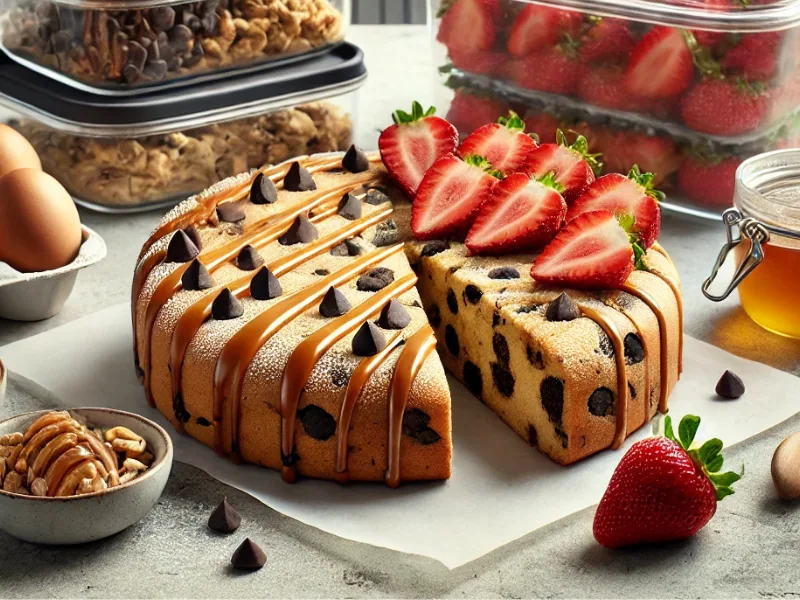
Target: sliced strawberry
{"type": "Point", "coordinates": [661, 64]}
{"type": "Point", "coordinates": [574, 167]}
{"type": "Point", "coordinates": [469, 25]}
{"type": "Point", "coordinates": [593, 251]}
{"type": "Point", "coordinates": [607, 39]}
{"type": "Point", "coordinates": [450, 195]}
{"type": "Point", "coordinates": [522, 214]}
{"type": "Point", "coordinates": [538, 26]}
{"type": "Point", "coordinates": [555, 69]}
{"type": "Point", "coordinates": [504, 144]}
{"type": "Point", "coordinates": [631, 196]}
{"type": "Point", "coordinates": [469, 111]}
{"type": "Point", "coordinates": [481, 62]}
{"type": "Point", "coordinates": [603, 86]}
{"type": "Point", "coordinates": [410, 146]}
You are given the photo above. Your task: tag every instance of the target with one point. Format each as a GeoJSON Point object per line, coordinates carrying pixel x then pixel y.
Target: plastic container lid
{"type": "Point", "coordinates": [69, 110]}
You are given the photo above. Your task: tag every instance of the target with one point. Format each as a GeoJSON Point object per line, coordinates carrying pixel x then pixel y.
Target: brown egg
{"type": "Point", "coordinates": [16, 152]}
{"type": "Point", "coordinates": [786, 468]}
{"type": "Point", "coordinates": [39, 224]}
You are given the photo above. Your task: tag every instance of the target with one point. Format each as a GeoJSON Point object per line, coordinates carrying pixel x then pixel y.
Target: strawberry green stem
{"type": "Point", "coordinates": [481, 163]}
{"type": "Point", "coordinates": [581, 146]}
{"type": "Point", "coordinates": [401, 117]}
{"type": "Point", "coordinates": [512, 122]}
{"type": "Point", "coordinates": [646, 181]}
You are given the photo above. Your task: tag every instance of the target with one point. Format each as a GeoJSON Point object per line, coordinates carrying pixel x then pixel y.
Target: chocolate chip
{"type": "Point", "coordinates": [210, 23]}
{"type": "Point", "coordinates": [196, 277]}
{"type": "Point", "coordinates": [355, 160]}
{"type": "Point", "coordinates": [376, 197]}
{"type": "Point", "coordinates": [156, 69]}
{"type": "Point", "coordinates": [317, 423]}
{"type": "Point", "coordinates": [561, 434]}
{"type": "Point", "coordinates": [321, 272]}
{"type": "Point", "coordinates": [196, 55]}
{"type": "Point", "coordinates": [265, 286]}
{"type": "Point", "coordinates": [194, 235]}
{"type": "Point", "coordinates": [339, 375]}
{"type": "Point", "coordinates": [340, 250]}
{"type": "Point", "coordinates": [634, 349]}
{"type": "Point", "coordinates": [601, 402]}
{"type": "Point", "coordinates": [415, 425]}
{"type": "Point", "coordinates": [473, 294]}
{"type": "Point", "coordinates": [298, 179]}
{"type": "Point", "coordinates": [504, 273]}
{"type": "Point", "coordinates": [179, 409]}
{"type": "Point", "coordinates": [500, 346]}
{"type": "Point", "coordinates": [452, 303]}
{"type": "Point", "coordinates": [562, 308]}
{"type": "Point", "coordinates": [552, 392]}
{"type": "Point", "coordinates": [291, 459]}
{"type": "Point", "coordinates": [531, 308]}
{"type": "Point", "coordinates": [180, 38]}
{"type": "Point", "coordinates": [137, 55]}
{"type": "Point", "coordinates": [377, 279]}
{"type": "Point", "coordinates": [730, 386]}
{"type": "Point", "coordinates": [631, 391]}
{"type": "Point", "coordinates": [349, 207]}
{"type": "Point", "coordinates": [131, 74]}
{"type": "Point", "coordinates": [434, 316]}
{"type": "Point", "coordinates": [394, 316]}
{"type": "Point", "coordinates": [353, 248]}
{"type": "Point", "coordinates": [334, 304]}
{"type": "Point", "coordinates": [162, 18]}
{"type": "Point", "coordinates": [473, 380]}
{"type": "Point", "coordinates": [533, 437]}
{"type": "Point", "coordinates": [226, 306]}
{"type": "Point", "coordinates": [435, 247]}
{"type": "Point", "coordinates": [606, 347]}
{"type": "Point", "coordinates": [302, 231]}
{"type": "Point", "coordinates": [230, 212]}
{"type": "Point", "coordinates": [535, 358]}
{"type": "Point", "coordinates": [386, 233]}
{"type": "Point", "coordinates": [263, 191]}
{"type": "Point", "coordinates": [192, 21]}
{"type": "Point", "coordinates": [495, 319]}
{"type": "Point", "coordinates": [369, 340]}
{"type": "Point", "coordinates": [225, 518]}
{"type": "Point", "coordinates": [249, 259]}
{"type": "Point", "coordinates": [181, 249]}
{"type": "Point", "coordinates": [451, 340]}
{"type": "Point", "coordinates": [248, 556]}
{"type": "Point", "coordinates": [503, 379]}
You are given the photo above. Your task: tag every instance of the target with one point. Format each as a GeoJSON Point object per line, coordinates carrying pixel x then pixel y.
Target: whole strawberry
{"type": "Point", "coordinates": [663, 489]}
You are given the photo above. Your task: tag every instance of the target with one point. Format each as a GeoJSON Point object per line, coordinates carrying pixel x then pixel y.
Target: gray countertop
{"type": "Point", "coordinates": [748, 550]}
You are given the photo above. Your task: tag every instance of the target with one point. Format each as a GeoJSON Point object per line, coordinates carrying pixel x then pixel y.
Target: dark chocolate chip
{"type": "Point", "coordinates": [377, 279]}
{"type": "Point", "coordinates": [192, 21]}
{"type": "Point", "coordinates": [181, 249]}
{"type": "Point", "coordinates": [334, 304]}
{"type": "Point", "coordinates": [321, 272]}
{"type": "Point", "coordinates": [298, 179]}
{"type": "Point", "coordinates": [606, 347]}
{"type": "Point", "coordinates": [302, 231]}
{"type": "Point", "coordinates": [415, 425]}
{"type": "Point", "coordinates": [369, 340]}
{"type": "Point", "coordinates": [631, 391]}
{"type": "Point", "coordinates": [265, 286]}
{"type": "Point", "coordinates": [194, 235]}
{"type": "Point", "coordinates": [291, 459]}
{"type": "Point", "coordinates": [434, 316]}
{"type": "Point", "coordinates": [503, 379]}
{"type": "Point", "coordinates": [500, 346]}
{"type": "Point", "coordinates": [180, 38]}
{"type": "Point", "coordinates": [634, 349]}
{"type": "Point", "coordinates": [452, 302]}
{"type": "Point", "coordinates": [249, 259]}
{"type": "Point", "coordinates": [131, 74]}
{"type": "Point", "coordinates": [196, 277]}
{"type": "Point", "coordinates": [394, 316]}
{"type": "Point", "coordinates": [504, 273]}
{"type": "Point", "coordinates": [601, 402]}
{"type": "Point", "coordinates": [339, 375]}
{"type": "Point", "coordinates": [203, 422]}
{"type": "Point", "coordinates": [564, 437]}
{"type": "Point", "coordinates": [535, 358]}
{"type": "Point", "coordinates": [386, 233]}
{"type": "Point", "coordinates": [376, 197]}
{"type": "Point", "coordinates": [473, 380]}
{"type": "Point", "coordinates": [248, 556]}
{"type": "Point", "coordinates": [162, 18]}
{"type": "Point", "coordinates": [263, 191]}
{"type": "Point", "coordinates": [179, 409]}
{"type": "Point", "coordinates": [531, 308]}
{"type": "Point", "coordinates": [137, 55]}
{"type": "Point", "coordinates": [340, 250]}
{"type": "Point", "coordinates": [226, 306]}
{"type": "Point", "coordinates": [225, 518]}
{"type": "Point", "coordinates": [495, 319]}
{"type": "Point", "coordinates": [317, 422]}
{"type": "Point", "coordinates": [156, 69]}
{"type": "Point", "coordinates": [210, 23]}
{"type": "Point", "coordinates": [349, 207]}
{"type": "Point", "coordinates": [434, 247]}
{"type": "Point", "coordinates": [230, 212]}
{"type": "Point", "coordinates": [451, 340]}
{"type": "Point", "coordinates": [355, 160]}
{"type": "Point", "coordinates": [196, 56]}
{"type": "Point", "coordinates": [353, 248]}
{"type": "Point", "coordinates": [552, 392]}
{"type": "Point", "coordinates": [473, 294]}
{"type": "Point", "coordinates": [730, 386]}
{"type": "Point", "coordinates": [533, 437]}
{"type": "Point", "coordinates": [562, 308]}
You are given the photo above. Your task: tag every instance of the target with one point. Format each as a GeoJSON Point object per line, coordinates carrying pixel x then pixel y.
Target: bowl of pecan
{"type": "Point", "coordinates": [69, 477]}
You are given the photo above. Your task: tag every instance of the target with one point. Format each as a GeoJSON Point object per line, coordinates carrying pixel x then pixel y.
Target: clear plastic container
{"type": "Point", "coordinates": [130, 46]}
{"type": "Point", "coordinates": [153, 151]}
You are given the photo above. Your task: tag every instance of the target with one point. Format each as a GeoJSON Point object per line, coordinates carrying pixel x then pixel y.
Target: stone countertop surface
{"type": "Point", "coordinates": [748, 549]}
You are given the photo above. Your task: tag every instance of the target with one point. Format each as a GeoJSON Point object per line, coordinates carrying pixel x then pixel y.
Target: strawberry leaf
{"type": "Point", "coordinates": [645, 180]}
{"type": "Point", "coordinates": [401, 117]}
{"type": "Point", "coordinates": [581, 146]}
{"type": "Point", "coordinates": [687, 429]}
{"type": "Point", "coordinates": [638, 257]}
{"type": "Point", "coordinates": [550, 181]}
{"type": "Point", "coordinates": [722, 492]}
{"type": "Point", "coordinates": [724, 479]}
{"type": "Point", "coordinates": [710, 450]}
{"type": "Point", "coordinates": [715, 465]}
{"type": "Point", "coordinates": [481, 163]}
{"type": "Point", "coordinates": [512, 122]}
{"type": "Point", "coordinates": [668, 433]}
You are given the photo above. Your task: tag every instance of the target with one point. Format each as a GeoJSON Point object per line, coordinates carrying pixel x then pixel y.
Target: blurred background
{"type": "Point", "coordinates": [389, 12]}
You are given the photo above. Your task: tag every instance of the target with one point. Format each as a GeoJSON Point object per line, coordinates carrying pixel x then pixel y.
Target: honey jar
{"type": "Point", "coordinates": [763, 231]}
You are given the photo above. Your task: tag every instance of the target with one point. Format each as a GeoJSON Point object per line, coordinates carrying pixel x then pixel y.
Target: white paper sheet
{"type": "Point", "coordinates": [501, 489]}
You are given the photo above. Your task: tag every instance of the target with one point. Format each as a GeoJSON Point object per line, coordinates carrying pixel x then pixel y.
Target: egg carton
{"type": "Point", "coordinates": [41, 295]}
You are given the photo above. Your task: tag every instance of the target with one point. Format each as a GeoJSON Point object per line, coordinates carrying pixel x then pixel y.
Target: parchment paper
{"type": "Point", "coordinates": [501, 489]}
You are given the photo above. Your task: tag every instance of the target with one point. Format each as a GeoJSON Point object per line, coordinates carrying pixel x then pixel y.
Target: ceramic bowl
{"type": "Point", "coordinates": [79, 519]}
{"type": "Point", "coordinates": [3, 381]}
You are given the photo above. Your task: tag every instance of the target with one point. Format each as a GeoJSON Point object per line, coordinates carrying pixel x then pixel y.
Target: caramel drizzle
{"type": "Point", "coordinates": [645, 347]}
{"type": "Point", "coordinates": [676, 290]}
{"type": "Point", "coordinates": [240, 350]}
{"type": "Point", "coordinates": [411, 360]}
{"type": "Point", "coordinates": [308, 353]}
{"type": "Point", "coordinates": [355, 387]}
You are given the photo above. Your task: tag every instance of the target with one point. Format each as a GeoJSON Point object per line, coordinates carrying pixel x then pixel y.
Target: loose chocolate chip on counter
{"type": "Point", "coordinates": [230, 212]}
{"type": "Point", "coordinates": [377, 279]}
{"type": "Point", "coordinates": [302, 231]}
{"type": "Point", "coordinates": [435, 247]}
{"type": "Point", "coordinates": [196, 277]}
{"type": "Point", "coordinates": [533, 437]}
{"type": "Point", "coordinates": [225, 518]}
{"type": "Point", "coordinates": [248, 556]}
{"type": "Point", "coordinates": [386, 233]}
{"type": "Point", "coordinates": [500, 346]}
{"type": "Point", "coordinates": [415, 425]}
{"type": "Point", "coordinates": [394, 316]}
{"type": "Point", "coordinates": [369, 340]}
{"type": "Point", "coordinates": [226, 306]}
{"type": "Point", "coordinates": [317, 422]}
{"type": "Point", "coordinates": [504, 273]}
{"type": "Point", "coordinates": [349, 207]}
{"type": "Point", "coordinates": [601, 402]}
{"type": "Point", "coordinates": [434, 316]}
{"type": "Point", "coordinates": [375, 197]}
{"type": "Point", "coordinates": [263, 191]}
{"type": "Point", "coordinates": [181, 249]}
{"type": "Point", "coordinates": [194, 235]}
{"type": "Point", "coordinates": [730, 386]}
{"type": "Point", "coordinates": [334, 304]}
{"type": "Point", "coordinates": [452, 302]}
{"type": "Point", "coordinates": [552, 392]}
{"type": "Point", "coordinates": [321, 272]}
{"type": "Point", "coordinates": [503, 379]}
{"type": "Point", "coordinates": [249, 259]}
{"type": "Point", "coordinates": [298, 179]}
{"type": "Point", "coordinates": [634, 349]}
{"type": "Point", "coordinates": [451, 340]}
{"type": "Point", "coordinates": [472, 294]}
{"type": "Point", "coordinates": [265, 286]}
{"type": "Point", "coordinates": [473, 380]}
{"type": "Point", "coordinates": [562, 308]}
{"type": "Point", "coordinates": [162, 18]}
{"type": "Point", "coordinates": [355, 160]}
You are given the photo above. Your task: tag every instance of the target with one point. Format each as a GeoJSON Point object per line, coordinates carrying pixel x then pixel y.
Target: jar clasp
{"type": "Point", "coordinates": [738, 229]}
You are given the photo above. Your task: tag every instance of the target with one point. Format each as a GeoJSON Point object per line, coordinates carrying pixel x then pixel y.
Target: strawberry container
{"type": "Point", "coordinates": [124, 47]}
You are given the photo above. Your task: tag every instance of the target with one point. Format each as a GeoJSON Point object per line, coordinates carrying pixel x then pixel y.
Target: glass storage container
{"type": "Point", "coordinates": [692, 87]}
{"type": "Point", "coordinates": [153, 151]}
{"type": "Point", "coordinates": [129, 46]}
